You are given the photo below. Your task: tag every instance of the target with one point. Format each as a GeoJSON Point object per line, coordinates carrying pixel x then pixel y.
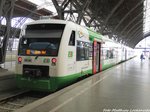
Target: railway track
{"type": "Point", "coordinates": [13, 103]}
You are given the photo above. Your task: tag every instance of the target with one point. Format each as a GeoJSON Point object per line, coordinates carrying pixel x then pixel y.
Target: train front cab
{"type": "Point", "coordinates": [38, 56]}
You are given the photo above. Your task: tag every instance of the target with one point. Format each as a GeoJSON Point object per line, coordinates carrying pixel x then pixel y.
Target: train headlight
{"type": "Point", "coordinates": [19, 59]}
{"type": "Point", "coordinates": [54, 60]}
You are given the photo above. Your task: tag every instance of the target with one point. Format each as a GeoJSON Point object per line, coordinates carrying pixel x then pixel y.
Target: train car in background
{"type": "Point", "coordinates": [55, 53]}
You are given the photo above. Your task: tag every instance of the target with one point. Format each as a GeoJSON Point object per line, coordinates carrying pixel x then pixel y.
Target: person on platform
{"type": "Point", "coordinates": [142, 57]}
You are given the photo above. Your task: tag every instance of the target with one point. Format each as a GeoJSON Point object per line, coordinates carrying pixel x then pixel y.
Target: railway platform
{"type": "Point", "coordinates": [7, 77]}
{"type": "Point", "coordinates": [124, 87]}
{"type": "Point", "coordinates": [5, 72]}
{"type": "Point", "coordinates": [8, 86]}
{"type": "Point", "coordinates": [7, 69]}
{"type": "Point", "coordinates": [7, 81]}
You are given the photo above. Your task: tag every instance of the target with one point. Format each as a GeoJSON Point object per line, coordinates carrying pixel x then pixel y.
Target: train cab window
{"type": "Point", "coordinates": [41, 40]}
{"type": "Point", "coordinates": [39, 46]}
{"type": "Point", "coordinates": [72, 39]}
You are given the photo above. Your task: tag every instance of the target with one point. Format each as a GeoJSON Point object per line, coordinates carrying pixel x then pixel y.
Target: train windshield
{"type": "Point", "coordinates": [41, 40]}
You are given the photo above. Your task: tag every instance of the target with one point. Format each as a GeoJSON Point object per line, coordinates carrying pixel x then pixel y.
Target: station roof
{"type": "Point", "coordinates": [24, 8]}
{"type": "Point", "coordinates": [122, 20]}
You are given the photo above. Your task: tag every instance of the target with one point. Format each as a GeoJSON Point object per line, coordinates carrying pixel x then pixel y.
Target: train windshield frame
{"type": "Point", "coordinates": [41, 40]}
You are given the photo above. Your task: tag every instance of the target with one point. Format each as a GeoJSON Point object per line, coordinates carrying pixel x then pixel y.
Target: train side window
{"type": "Point", "coordinates": [80, 51]}
{"type": "Point", "coordinates": [86, 51]}
{"type": "Point", "coordinates": [109, 54]}
{"type": "Point", "coordinates": [72, 39]}
{"type": "Point", "coordinates": [83, 52]}
{"type": "Point", "coordinates": [90, 50]}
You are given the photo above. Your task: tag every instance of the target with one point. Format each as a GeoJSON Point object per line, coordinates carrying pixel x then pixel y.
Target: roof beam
{"type": "Point", "coordinates": [70, 11]}
{"type": "Point", "coordinates": [147, 34]}
{"type": "Point", "coordinates": [59, 9]}
{"type": "Point", "coordinates": [125, 17]}
{"type": "Point", "coordinates": [111, 13]}
{"type": "Point", "coordinates": [131, 22]}
{"type": "Point", "coordinates": [83, 11]}
{"type": "Point", "coordinates": [135, 41]}
{"type": "Point", "coordinates": [133, 36]}
{"type": "Point", "coordinates": [137, 30]}
{"type": "Point", "coordinates": [65, 4]}
{"type": "Point", "coordinates": [134, 27]}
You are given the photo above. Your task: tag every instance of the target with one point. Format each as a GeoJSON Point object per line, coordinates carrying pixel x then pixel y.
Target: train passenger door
{"type": "Point", "coordinates": [96, 57]}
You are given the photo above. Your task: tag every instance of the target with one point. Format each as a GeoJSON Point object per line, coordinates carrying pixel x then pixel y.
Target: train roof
{"type": "Point", "coordinates": [96, 35]}
{"type": "Point", "coordinates": [48, 21]}
{"type": "Point", "coordinates": [93, 34]}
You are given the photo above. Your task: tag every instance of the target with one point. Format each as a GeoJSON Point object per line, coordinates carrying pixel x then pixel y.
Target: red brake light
{"type": "Point", "coordinates": [19, 59]}
{"type": "Point", "coordinates": [54, 60]}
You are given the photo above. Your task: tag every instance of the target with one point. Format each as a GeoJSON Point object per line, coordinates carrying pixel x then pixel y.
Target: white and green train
{"type": "Point", "coordinates": [55, 53]}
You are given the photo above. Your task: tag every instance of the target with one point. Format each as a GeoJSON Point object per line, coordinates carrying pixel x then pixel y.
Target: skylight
{"type": "Point", "coordinates": [47, 4]}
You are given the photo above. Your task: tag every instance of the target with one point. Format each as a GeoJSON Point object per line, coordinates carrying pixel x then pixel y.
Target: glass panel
{"type": "Point", "coordinates": [72, 39]}
{"type": "Point", "coordinates": [39, 46]}
{"type": "Point", "coordinates": [44, 30]}
{"type": "Point", "coordinates": [41, 39]}
{"type": "Point", "coordinates": [83, 49]}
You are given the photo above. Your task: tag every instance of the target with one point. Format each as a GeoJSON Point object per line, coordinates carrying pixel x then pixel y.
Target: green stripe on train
{"type": "Point", "coordinates": [106, 66]}
{"type": "Point", "coordinates": [93, 35]}
{"type": "Point", "coordinates": [48, 84]}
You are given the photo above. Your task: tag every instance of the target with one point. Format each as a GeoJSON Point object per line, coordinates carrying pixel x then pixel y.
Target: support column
{"type": "Point", "coordinates": [59, 9]}
{"type": "Point", "coordinates": [7, 12]}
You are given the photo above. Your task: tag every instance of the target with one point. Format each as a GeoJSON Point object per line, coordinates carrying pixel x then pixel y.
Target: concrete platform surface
{"type": "Point", "coordinates": [5, 72]}
{"type": "Point", "coordinates": [7, 81]}
{"type": "Point", "coordinates": [123, 88]}
{"type": "Point", "coordinates": [9, 66]}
